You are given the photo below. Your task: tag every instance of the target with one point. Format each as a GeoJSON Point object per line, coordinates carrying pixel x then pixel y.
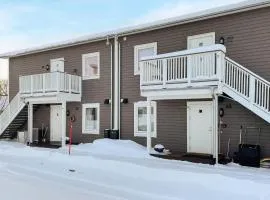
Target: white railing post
{"type": "Point", "coordinates": [220, 67]}
{"type": "Point", "coordinates": [31, 84]}
{"type": "Point", "coordinates": [58, 82]}
{"type": "Point", "coordinates": [80, 85]}
{"type": "Point", "coordinates": [165, 67]}
{"type": "Point", "coordinates": [43, 83]}
{"type": "Point", "coordinates": [69, 83]}
{"type": "Point", "coordinates": [220, 60]}
{"type": "Point", "coordinates": [141, 72]}
{"type": "Point", "coordinates": [252, 89]}
{"type": "Point", "coordinates": [189, 69]}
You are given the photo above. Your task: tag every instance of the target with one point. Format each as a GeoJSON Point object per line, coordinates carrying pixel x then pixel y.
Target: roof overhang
{"type": "Point", "coordinates": [184, 19]}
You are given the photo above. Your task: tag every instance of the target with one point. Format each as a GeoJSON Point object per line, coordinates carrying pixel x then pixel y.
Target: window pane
{"type": "Point", "coordinates": [146, 52]}
{"type": "Point", "coordinates": [91, 119]}
{"type": "Point", "coordinates": [91, 66]}
{"type": "Point", "coordinates": [142, 119]}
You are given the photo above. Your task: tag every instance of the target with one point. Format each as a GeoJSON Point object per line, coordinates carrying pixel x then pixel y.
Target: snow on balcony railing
{"type": "Point", "coordinates": [194, 65]}
{"type": "Point", "coordinates": [50, 82]}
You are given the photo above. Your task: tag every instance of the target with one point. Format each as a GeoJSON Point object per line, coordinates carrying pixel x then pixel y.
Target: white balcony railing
{"type": "Point", "coordinates": [54, 82]}
{"type": "Point", "coordinates": [183, 67]}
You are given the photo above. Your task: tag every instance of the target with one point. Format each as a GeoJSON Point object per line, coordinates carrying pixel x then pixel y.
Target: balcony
{"type": "Point", "coordinates": [194, 68]}
{"type": "Point", "coordinates": [59, 85]}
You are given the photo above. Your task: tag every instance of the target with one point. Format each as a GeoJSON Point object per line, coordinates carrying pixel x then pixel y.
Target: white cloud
{"type": "Point", "coordinates": [180, 7]}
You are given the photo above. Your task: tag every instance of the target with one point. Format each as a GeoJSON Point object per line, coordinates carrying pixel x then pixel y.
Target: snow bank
{"type": "Point", "coordinates": [118, 148]}
{"type": "Point", "coordinates": [113, 169]}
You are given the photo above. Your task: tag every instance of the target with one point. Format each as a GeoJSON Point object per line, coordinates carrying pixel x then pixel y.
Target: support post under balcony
{"type": "Point", "coordinates": [64, 123]}
{"type": "Point", "coordinates": [216, 128]}
{"type": "Point", "coordinates": [30, 123]}
{"type": "Point", "coordinates": [149, 145]}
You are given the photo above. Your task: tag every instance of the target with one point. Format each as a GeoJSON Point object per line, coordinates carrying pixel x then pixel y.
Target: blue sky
{"type": "Point", "coordinates": [30, 23]}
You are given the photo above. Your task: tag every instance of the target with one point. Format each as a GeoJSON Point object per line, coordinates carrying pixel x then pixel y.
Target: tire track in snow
{"type": "Point", "coordinates": [97, 185]}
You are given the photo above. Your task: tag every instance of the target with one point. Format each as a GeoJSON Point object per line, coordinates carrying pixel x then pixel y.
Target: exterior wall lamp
{"type": "Point", "coordinates": [222, 40]}
{"type": "Point", "coordinates": [124, 100]}
{"type": "Point", "coordinates": [107, 101]}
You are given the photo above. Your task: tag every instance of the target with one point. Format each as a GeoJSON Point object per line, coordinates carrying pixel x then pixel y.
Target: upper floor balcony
{"type": "Point", "coordinates": [58, 86]}
{"type": "Point", "coordinates": [194, 68]}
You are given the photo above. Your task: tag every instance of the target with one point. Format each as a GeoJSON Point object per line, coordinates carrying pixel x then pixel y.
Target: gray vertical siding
{"type": "Point", "coordinates": [93, 91]}
{"type": "Point", "coordinates": [235, 116]}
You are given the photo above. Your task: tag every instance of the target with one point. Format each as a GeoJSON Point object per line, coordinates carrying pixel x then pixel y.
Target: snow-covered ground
{"type": "Point", "coordinates": [120, 170]}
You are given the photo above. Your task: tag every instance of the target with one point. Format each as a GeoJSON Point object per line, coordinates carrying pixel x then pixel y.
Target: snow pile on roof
{"type": "Point", "coordinates": [120, 148]}
{"type": "Point", "coordinates": [249, 4]}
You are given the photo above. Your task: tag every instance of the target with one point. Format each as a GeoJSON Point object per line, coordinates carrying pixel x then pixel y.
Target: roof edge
{"type": "Point", "coordinates": [184, 19]}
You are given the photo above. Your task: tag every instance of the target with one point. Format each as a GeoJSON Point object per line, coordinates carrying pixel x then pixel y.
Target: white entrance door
{"type": "Point", "coordinates": [57, 65]}
{"type": "Point", "coordinates": [200, 127]}
{"type": "Point", "coordinates": [196, 41]}
{"type": "Point", "coordinates": [56, 123]}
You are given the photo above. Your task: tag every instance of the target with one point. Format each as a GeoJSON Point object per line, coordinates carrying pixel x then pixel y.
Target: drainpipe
{"type": "Point", "coordinates": [119, 89]}
{"type": "Point", "coordinates": [116, 97]}
{"type": "Point", "coordinates": [108, 43]}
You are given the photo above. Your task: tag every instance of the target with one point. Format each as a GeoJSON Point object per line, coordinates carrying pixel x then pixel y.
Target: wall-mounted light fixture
{"type": "Point", "coordinates": [68, 113]}
{"type": "Point", "coordinates": [46, 67]}
{"type": "Point", "coordinates": [107, 101]}
{"type": "Point", "coordinates": [222, 40]}
{"type": "Point", "coordinates": [75, 71]}
{"type": "Point", "coordinates": [124, 100]}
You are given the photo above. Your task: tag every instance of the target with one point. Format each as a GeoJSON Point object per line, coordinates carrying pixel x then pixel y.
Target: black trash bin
{"type": "Point", "coordinates": [107, 133]}
{"type": "Point", "coordinates": [114, 134]}
{"type": "Point", "coordinates": [249, 155]}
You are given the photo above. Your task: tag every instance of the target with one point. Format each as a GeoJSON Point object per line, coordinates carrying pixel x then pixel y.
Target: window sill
{"type": "Point", "coordinates": [90, 132]}
{"type": "Point", "coordinates": [90, 78]}
{"type": "Point", "coordinates": [143, 134]}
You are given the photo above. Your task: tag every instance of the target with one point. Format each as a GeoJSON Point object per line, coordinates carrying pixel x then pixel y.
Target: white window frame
{"type": "Point", "coordinates": [137, 105]}
{"type": "Point", "coordinates": [84, 57]}
{"type": "Point", "coordinates": [136, 54]}
{"type": "Point", "coordinates": [90, 105]}
{"type": "Point", "coordinates": [211, 34]}
{"type": "Point", "coordinates": [62, 60]}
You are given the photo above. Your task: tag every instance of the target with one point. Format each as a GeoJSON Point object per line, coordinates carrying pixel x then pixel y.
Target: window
{"type": "Point", "coordinates": [201, 40]}
{"type": "Point", "coordinates": [140, 119]}
{"type": "Point", "coordinates": [90, 122]}
{"type": "Point", "coordinates": [141, 51]}
{"type": "Point", "coordinates": [57, 65]}
{"type": "Point", "coordinates": [90, 66]}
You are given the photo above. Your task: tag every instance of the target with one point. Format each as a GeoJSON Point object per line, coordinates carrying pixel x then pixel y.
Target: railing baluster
{"type": "Point", "coordinates": [164, 72]}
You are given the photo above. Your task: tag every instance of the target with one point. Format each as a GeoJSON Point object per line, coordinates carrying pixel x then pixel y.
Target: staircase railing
{"type": "Point", "coordinates": [250, 86]}
{"type": "Point", "coordinates": [11, 111]}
